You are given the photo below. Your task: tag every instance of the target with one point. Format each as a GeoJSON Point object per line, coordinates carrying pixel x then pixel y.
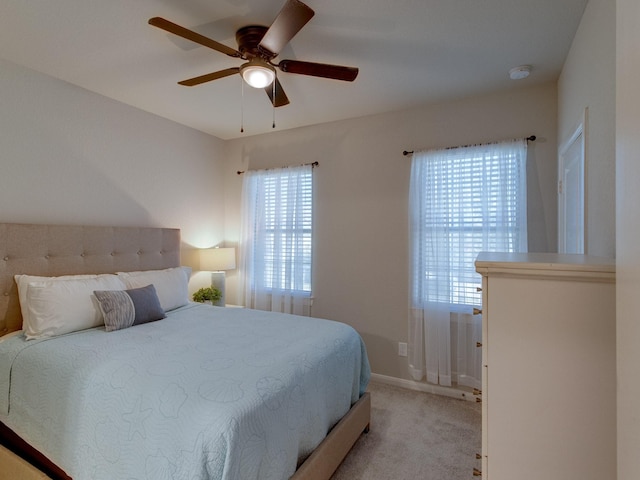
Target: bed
{"type": "Point", "coordinates": [200, 392]}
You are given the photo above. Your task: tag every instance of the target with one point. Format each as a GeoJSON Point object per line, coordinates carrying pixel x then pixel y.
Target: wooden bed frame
{"type": "Point", "coordinates": [53, 250]}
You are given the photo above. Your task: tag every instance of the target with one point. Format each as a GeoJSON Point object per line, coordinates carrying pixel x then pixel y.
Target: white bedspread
{"type": "Point", "coordinates": [207, 393]}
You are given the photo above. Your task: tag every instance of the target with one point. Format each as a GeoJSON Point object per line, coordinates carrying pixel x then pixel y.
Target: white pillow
{"type": "Point", "coordinates": [171, 284]}
{"type": "Point", "coordinates": [23, 282]}
{"type": "Point", "coordinates": [63, 306]}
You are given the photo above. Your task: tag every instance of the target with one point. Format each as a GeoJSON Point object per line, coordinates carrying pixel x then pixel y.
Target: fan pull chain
{"type": "Point", "coordinates": [274, 103]}
{"type": "Point", "coordinates": [241, 105]}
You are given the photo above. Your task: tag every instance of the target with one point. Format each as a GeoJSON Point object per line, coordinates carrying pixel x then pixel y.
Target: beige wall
{"type": "Point", "coordinates": [361, 244]}
{"type": "Point", "coordinates": [610, 90]}
{"type": "Point", "coordinates": [74, 157]}
{"type": "Point", "coordinates": [627, 235]}
{"type": "Point", "coordinates": [588, 81]}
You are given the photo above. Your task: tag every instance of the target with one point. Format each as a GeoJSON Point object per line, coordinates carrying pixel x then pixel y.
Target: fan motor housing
{"type": "Point", "coordinates": [249, 38]}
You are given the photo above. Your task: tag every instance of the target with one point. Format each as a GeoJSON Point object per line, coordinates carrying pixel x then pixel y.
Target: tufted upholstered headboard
{"type": "Point", "coordinates": [52, 250]}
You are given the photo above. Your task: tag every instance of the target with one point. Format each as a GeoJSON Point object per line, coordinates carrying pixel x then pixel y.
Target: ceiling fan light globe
{"type": "Point", "coordinates": [258, 76]}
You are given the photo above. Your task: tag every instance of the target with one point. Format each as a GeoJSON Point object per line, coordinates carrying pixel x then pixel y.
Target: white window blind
{"type": "Point", "coordinates": [464, 201]}
{"type": "Point", "coordinates": [284, 236]}
{"type": "Point", "coordinates": [277, 237]}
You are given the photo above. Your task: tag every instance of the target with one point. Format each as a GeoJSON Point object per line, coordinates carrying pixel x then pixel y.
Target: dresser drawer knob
{"type": "Point", "coordinates": [477, 473]}
{"type": "Point", "coordinates": [477, 311]}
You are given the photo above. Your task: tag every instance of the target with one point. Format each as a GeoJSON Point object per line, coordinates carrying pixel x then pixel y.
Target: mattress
{"type": "Point", "coordinates": [207, 393]}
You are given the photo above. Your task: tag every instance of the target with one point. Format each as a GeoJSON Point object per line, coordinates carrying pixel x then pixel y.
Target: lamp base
{"type": "Point", "coordinates": [218, 280]}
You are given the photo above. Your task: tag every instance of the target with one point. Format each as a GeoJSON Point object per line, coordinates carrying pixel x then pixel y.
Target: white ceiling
{"type": "Point", "coordinates": [410, 53]}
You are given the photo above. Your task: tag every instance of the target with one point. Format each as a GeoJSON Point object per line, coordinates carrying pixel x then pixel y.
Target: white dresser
{"type": "Point", "coordinates": [549, 367]}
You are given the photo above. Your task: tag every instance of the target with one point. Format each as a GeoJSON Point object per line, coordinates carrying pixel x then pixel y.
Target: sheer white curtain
{"type": "Point", "coordinates": [462, 201]}
{"type": "Point", "coordinates": [276, 239]}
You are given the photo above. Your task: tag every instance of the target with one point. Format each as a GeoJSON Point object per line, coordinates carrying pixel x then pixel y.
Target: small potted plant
{"type": "Point", "coordinates": [208, 295]}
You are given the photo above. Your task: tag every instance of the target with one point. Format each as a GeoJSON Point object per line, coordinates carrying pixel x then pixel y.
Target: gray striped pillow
{"type": "Point", "coordinates": [125, 308]}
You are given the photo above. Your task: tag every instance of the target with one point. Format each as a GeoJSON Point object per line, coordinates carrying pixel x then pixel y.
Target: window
{"type": "Point", "coordinates": [462, 201]}
{"type": "Point", "coordinates": [284, 234]}
{"type": "Point", "coordinates": [277, 237]}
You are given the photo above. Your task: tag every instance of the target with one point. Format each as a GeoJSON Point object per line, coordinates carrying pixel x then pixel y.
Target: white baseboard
{"type": "Point", "coordinates": [453, 392]}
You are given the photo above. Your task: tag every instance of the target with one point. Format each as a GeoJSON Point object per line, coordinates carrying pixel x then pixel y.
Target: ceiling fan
{"type": "Point", "coordinates": [258, 46]}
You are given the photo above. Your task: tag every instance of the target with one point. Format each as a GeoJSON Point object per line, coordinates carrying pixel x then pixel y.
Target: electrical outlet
{"type": "Point", "coordinates": [402, 349]}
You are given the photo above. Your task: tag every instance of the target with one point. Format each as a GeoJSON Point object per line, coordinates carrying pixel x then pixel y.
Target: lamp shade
{"type": "Point", "coordinates": [217, 259]}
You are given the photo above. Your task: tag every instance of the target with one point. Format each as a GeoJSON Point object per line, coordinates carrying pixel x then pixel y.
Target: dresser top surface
{"type": "Point", "coordinates": [553, 264]}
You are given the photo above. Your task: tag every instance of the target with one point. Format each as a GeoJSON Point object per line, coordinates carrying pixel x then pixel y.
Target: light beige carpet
{"type": "Point", "coordinates": [415, 436]}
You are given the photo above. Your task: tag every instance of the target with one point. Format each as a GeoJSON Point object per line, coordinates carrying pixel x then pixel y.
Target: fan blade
{"type": "Point", "coordinates": [193, 36]}
{"type": "Point", "coordinates": [293, 16]}
{"type": "Point", "coordinates": [336, 72]}
{"type": "Point", "coordinates": [281, 97]}
{"type": "Point", "coordinates": [209, 77]}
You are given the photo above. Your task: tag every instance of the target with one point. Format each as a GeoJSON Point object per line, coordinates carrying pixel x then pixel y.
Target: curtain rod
{"type": "Point", "coordinates": [531, 138]}
{"type": "Point", "coordinates": [313, 164]}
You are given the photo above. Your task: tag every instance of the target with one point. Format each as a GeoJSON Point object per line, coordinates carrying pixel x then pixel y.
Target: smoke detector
{"type": "Point", "coordinates": [518, 73]}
